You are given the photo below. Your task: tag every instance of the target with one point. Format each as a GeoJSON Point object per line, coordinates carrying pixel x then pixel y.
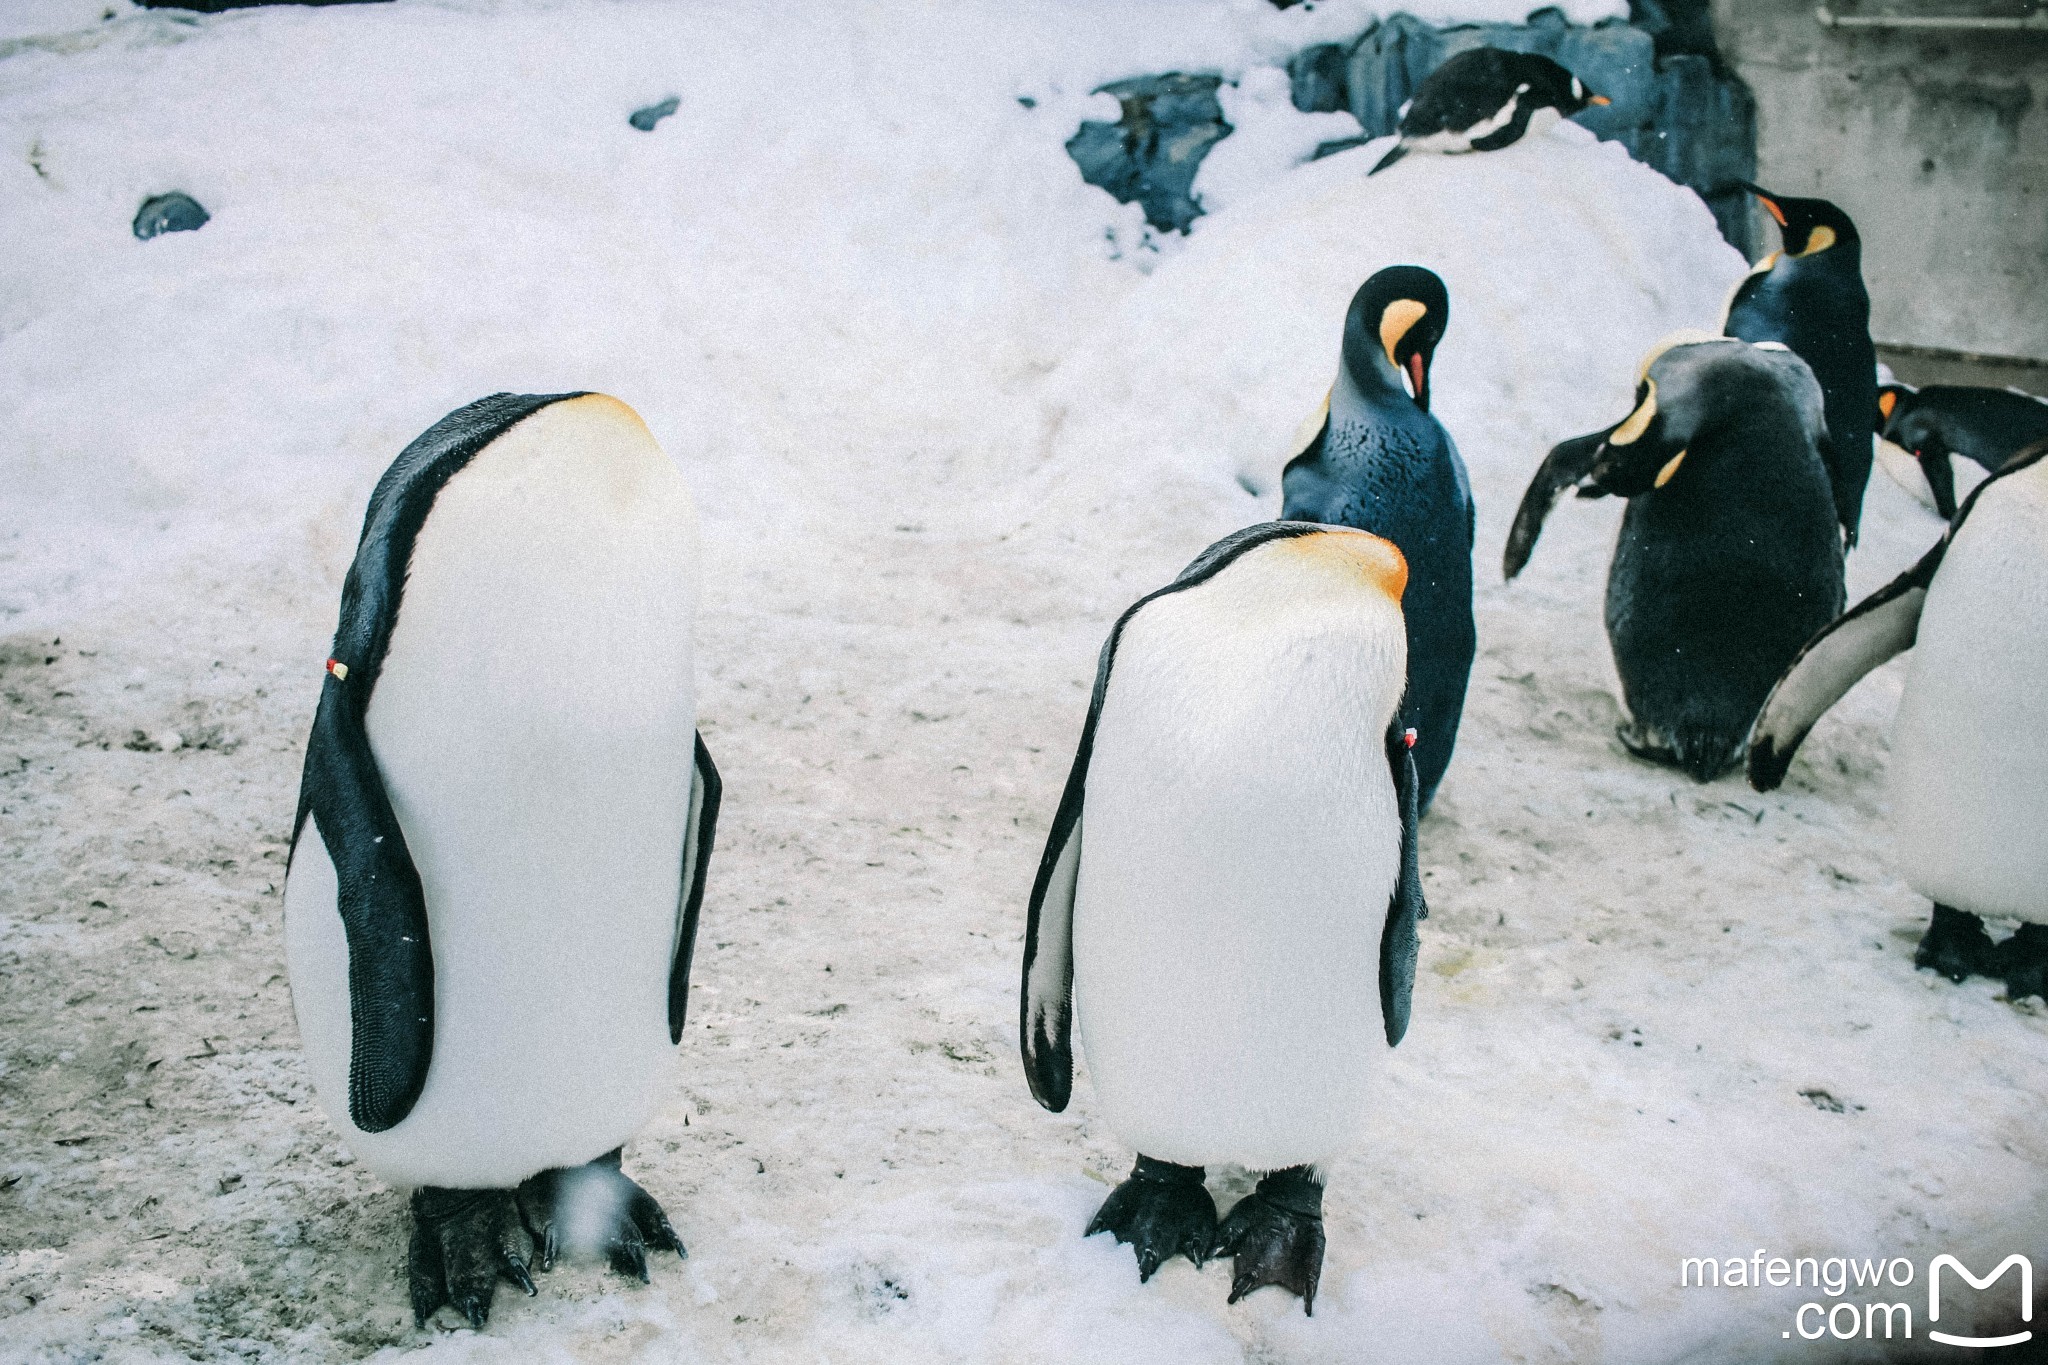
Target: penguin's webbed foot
{"type": "Point", "coordinates": [1956, 945]}
{"type": "Point", "coordinates": [2023, 962]}
{"type": "Point", "coordinates": [1275, 1236]}
{"type": "Point", "coordinates": [462, 1242]}
{"type": "Point", "coordinates": [596, 1207]}
{"type": "Point", "coordinates": [1163, 1211]}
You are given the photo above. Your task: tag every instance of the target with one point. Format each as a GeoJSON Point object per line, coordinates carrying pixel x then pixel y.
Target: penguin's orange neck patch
{"type": "Point", "coordinates": [1360, 553]}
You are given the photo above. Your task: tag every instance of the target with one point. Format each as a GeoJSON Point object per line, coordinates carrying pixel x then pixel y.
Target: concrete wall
{"type": "Point", "coordinates": [1937, 145]}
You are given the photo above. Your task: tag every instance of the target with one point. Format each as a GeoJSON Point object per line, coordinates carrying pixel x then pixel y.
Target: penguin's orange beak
{"type": "Point", "coordinates": [1598, 99]}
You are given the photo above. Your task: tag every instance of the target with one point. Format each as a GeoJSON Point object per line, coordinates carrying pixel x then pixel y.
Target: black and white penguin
{"type": "Point", "coordinates": [1484, 99]}
{"type": "Point", "coordinates": [1810, 297]}
{"type": "Point", "coordinates": [1925, 430]}
{"type": "Point", "coordinates": [1969, 771]}
{"type": "Point", "coordinates": [502, 832]}
{"type": "Point", "coordinates": [1728, 558]}
{"type": "Point", "coordinates": [1378, 460]}
{"type": "Point", "coordinates": [1232, 868]}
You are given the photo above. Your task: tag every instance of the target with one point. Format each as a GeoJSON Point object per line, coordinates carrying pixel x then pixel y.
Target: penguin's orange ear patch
{"type": "Point", "coordinates": [1395, 322]}
{"type": "Point", "coordinates": [1886, 401]}
{"type": "Point", "coordinates": [1631, 431]}
{"type": "Point", "coordinates": [1818, 240]}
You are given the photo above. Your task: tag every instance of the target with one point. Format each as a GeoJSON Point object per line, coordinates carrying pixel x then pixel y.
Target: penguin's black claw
{"type": "Point", "coordinates": [1956, 946]}
{"type": "Point", "coordinates": [622, 1219]}
{"type": "Point", "coordinates": [462, 1242]}
{"type": "Point", "coordinates": [2023, 962]}
{"type": "Point", "coordinates": [1275, 1236]}
{"type": "Point", "coordinates": [1163, 1211]}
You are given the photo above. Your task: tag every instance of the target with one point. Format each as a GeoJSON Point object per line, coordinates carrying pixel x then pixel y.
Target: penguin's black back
{"type": "Point", "coordinates": [1980, 424]}
{"type": "Point", "coordinates": [1721, 577]}
{"type": "Point", "coordinates": [1818, 308]}
{"type": "Point", "coordinates": [1476, 84]}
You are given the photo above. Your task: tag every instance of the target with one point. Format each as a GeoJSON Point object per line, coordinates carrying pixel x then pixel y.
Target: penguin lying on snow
{"type": "Point", "coordinates": [1484, 99]}
{"type": "Point", "coordinates": [1728, 559]}
{"type": "Point", "coordinates": [1232, 866]}
{"type": "Point", "coordinates": [501, 838]}
{"type": "Point", "coordinates": [1811, 298]}
{"type": "Point", "coordinates": [1926, 429]}
{"type": "Point", "coordinates": [1378, 461]}
{"type": "Point", "coordinates": [1969, 773]}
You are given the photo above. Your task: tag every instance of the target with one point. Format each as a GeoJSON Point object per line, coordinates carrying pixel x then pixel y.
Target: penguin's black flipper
{"type": "Point", "coordinates": [1569, 462]}
{"type": "Point", "coordinates": [705, 791]}
{"type": "Point", "coordinates": [1400, 943]}
{"type": "Point", "coordinates": [1881, 626]}
{"type": "Point", "coordinates": [382, 906]}
{"type": "Point", "coordinates": [1045, 1020]}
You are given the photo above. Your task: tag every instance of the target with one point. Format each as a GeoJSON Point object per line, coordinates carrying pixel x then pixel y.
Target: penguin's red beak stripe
{"type": "Point", "coordinates": [1408, 736]}
{"type": "Point", "coordinates": [1418, 379]}
{"type": "Point", "coordinates": [1598, 99]}
{"type": "Point", "coordinates": [338, 669]}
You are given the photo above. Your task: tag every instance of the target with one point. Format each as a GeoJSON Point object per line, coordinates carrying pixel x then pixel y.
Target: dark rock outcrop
{"type": "Point", "coordinates": [645, 119]}
{"type": "Point", "coordinates": [173, 212]}
{"type": "Point", "coordinates": [1152, 152]}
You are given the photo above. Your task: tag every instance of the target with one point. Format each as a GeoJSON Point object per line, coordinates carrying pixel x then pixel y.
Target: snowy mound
{"type": "Point", "coordinates": [1564, 258]}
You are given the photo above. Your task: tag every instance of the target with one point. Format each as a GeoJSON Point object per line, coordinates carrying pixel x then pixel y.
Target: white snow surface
{"type": "Point", "coordinates": [946, 411]}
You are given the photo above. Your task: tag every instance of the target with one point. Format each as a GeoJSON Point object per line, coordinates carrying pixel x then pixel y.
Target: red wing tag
{"type": "Point", "coordinates": [340, 672]}
{"type": "Point", "coordinates": [1407, 735]}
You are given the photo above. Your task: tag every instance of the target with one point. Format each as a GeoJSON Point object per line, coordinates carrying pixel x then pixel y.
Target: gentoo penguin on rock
{"type": "Point", "coordinates": [1969, 772]}
{"type": "Point", "coordinates": [1231, 871]}
{"type": "Point", "coordinates": [1728, 558]}
{"type": "Point", "coordinates": [1378, 460]}
{"type": "Point", "coordinates": [1810, 297]}
{"type": "Point", "coordinates": [501, 838]}
{"type": "Point", "coordinates": [1926, 430]}
{"type": "Point", "coordinates": [1484, 99]}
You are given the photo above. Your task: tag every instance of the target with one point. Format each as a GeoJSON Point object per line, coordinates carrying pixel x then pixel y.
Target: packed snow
{"type": "Point", "coordinates": [946, 410]}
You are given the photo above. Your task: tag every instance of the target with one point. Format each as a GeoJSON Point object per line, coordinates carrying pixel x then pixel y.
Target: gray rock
{"type": "Point", "coordinates": [173, 212]}
{"type": "Point", "coordinates": [645, 119]}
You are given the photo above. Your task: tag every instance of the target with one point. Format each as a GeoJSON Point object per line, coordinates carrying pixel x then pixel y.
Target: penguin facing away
{"type": "Point", "coordinates": [503, 827]}
{"type": "Point", "coordinates": [1232, 867]}
{"type": "Point", "coordinates": [1484, 99]}
{"type": "Point", "coordinates": [1810, 297]}
{"type": "Point", "coordinates": [1927, 430]}
{"type": "Point", "coordinates": [1969, 776]}
{"type": "Point", "coordinates": [1728, 558]}
{"type": "Point", "coordinates": [1378, 460]}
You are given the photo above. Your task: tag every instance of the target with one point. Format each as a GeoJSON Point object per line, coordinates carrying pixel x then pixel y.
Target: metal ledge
{"type": "Point", "coordinates": [2036, 22]}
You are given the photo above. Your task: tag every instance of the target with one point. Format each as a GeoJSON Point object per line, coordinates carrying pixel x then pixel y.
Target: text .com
{"type": "Point", "coordinates": [1879, 1311]}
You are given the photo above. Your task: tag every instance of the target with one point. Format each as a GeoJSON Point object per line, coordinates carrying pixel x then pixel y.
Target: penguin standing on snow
{"type": "Point", "coordinates": [1484, 99]}
{"type": "Point", "coordinates": [1926, 429]}
{"type": "Point", "coordinates": [1810, 297]}
{"type": "Point", "coordinates": [1231, 869]}
{"type": "Point", "coordinates": [1969, 774]}
{"type": "Point", "coordinates": [1380, 462]}
{"type": "Point", "coordinates": [1728, 558]}
{"type": "Point", "coordinates": [501, 838]}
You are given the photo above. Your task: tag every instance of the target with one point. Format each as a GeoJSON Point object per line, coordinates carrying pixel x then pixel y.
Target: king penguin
{"type": "Point", "coordinates": [1927, 430]}
{"type": "Point", "coordinates": [1810, 297]}
{"type": "Point", "coordinates": [1728, 558]}
{"type": "Point", "coordinates": [1231, 869]}
{"type": "Point", "coordinates": [501, 839]}
{"type": "Point", "coordinates": [1969, 772]}
{"type": "Point", "coordinates": [1484, 99]}
{"type": "Point", "coordinates": [1377, 460]}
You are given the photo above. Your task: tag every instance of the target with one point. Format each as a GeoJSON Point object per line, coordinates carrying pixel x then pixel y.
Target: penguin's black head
{"type": "Point", "coordinates": [1396, 319]}
{"type": "Point", "coordinates": [1913, 428]}
{"type": "Point", "coordinates": [1553, 86]}
{"type": "Point", "coordinates": [1808, 226]}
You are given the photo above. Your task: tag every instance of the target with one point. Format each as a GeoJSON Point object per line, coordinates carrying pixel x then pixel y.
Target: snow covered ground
{"type": "Point", "coordinates": [946, 411]}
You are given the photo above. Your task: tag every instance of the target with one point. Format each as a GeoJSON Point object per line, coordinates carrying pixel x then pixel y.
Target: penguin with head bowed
{"type": "Point", "coordinates": [1375, 458]}
{"type": "Point", "coordinates": [1969, 772]}
{"type": "Point", "coordinates": [502, 834]}
{"type": "Point", "coordinates": [1484, 99]}
{"type": "Point", "coordinates": [1728, 558]}
{"type": "Point", "coordinates": [1810, 297]}
{"type": "Point", "coordinates": [1231, 873]}
{"type": "Point", "coordinates": [1927, 431]}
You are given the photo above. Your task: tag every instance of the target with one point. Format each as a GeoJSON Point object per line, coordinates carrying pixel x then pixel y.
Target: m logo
{"type": "Point", "coordinates": [2026, 1299]}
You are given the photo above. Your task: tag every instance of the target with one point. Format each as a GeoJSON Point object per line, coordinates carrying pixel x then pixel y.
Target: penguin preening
{"type": "Point", "coordinates": [1378, 460]}
{"type": "Point", "coordinates": [1232, 867]}
{"type": "Point", "coordinates": [1484, 99]}
{"type": "Point", "coordinates": [1969, 773]}
{"type": "Point", "coordinates": [1728, 558]}
{"type": "Point", "coordinates": [1926, 429]}
{"type": "Point", "coordinates": [502, 833]}
{"type": "Point", "coordinates": [1810, 297]}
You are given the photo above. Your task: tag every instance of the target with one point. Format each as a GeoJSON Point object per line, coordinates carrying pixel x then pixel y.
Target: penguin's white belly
{"type": "Point", "coordinates": [1240, 843]}
{"type": "Point", "coordinates": [1970, 756]}
{"type": "Point", "coordinates": [534, 727]}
